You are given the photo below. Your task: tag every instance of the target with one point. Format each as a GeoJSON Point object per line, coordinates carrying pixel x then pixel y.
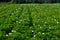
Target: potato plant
{"type": "Point", "coordinates": [30, 22]}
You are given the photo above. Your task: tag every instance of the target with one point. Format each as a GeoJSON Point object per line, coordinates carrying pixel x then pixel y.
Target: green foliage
{"type": "Point", "coordinates": [29, 22]}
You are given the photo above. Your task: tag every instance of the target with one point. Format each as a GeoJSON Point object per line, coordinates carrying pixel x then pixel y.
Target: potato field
{"type": "Point", "coordinates": [29, 21]}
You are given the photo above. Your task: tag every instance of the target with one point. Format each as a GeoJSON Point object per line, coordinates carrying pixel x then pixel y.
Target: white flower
{"type": "Point", "coordinates": [39, 32]}
{"type": "Point", "coordinates": [16, 21]}
{"type": "Point", "coordinates": [45, 22]}
{"type": "Point", "coordinates": [7, 35]}
{"type": "Point", "coordinates": [30, 27]}
{"type": "Point", "coordinates": [13, 31]}
{"type": "Point", "coordinates": [10, 33]}
{"type": "Point", "coordinates": [34, 35]}
{"type": "Point", "coordinates": [49, 27]}
{"type": "Point", "coordinates": [40, 27]}
{"type": "Point", "coordinates": [19, 22]}
{"type": "Point", "coordinates": [34, 24]}
{"type": "Point", "coordinates": [43, 33]}
{"type": "Point", "coordinates": [32, 31]}
{"type": "Point", "coordinates": [57, 22]}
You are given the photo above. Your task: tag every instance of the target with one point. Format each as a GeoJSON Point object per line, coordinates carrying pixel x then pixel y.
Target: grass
{"type": "Point", "coordinates": [29, 21]}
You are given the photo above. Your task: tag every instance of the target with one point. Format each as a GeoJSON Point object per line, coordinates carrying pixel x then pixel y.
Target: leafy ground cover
{"type": "Point", "coordinates": [30, 22]}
